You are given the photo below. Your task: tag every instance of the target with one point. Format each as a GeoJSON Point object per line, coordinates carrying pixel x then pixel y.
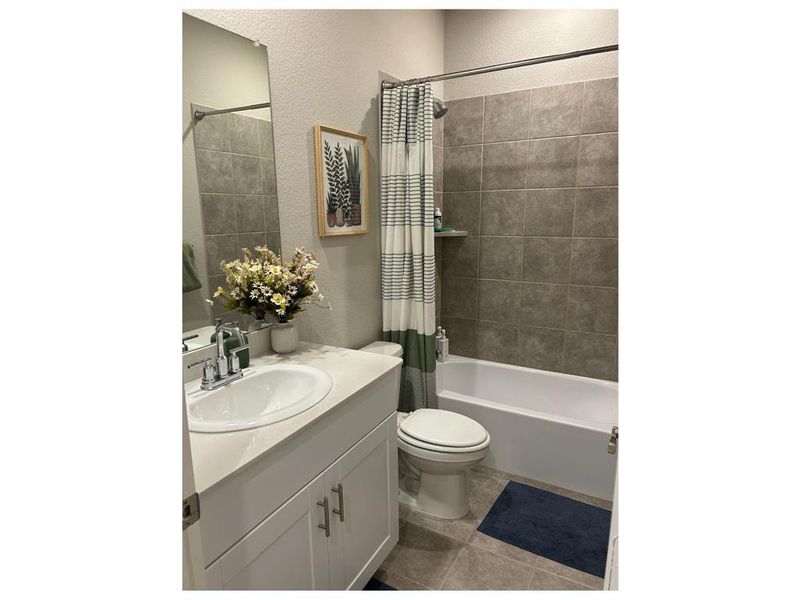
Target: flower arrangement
{"type": "Point", "coordinates": [262, 285]}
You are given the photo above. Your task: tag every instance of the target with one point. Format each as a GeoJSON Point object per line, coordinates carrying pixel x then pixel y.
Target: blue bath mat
{"type": "Point", "coordinates": [564, 530]}
{"type": "Point", "coordinates": [375, 584]}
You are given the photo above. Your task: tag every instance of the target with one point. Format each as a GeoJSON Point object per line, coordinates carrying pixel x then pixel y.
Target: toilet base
{"type": "Point", "coordinates": [436, 495]}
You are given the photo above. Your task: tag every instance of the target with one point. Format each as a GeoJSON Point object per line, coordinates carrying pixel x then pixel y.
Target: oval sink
{"type": "Point", "coordinates": [264, 395]}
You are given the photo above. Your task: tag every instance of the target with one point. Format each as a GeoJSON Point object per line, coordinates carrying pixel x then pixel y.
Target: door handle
{"type": "Point", "coordinates": [327, 524]}
{"type": "Point", "coordinates": [340, 491]}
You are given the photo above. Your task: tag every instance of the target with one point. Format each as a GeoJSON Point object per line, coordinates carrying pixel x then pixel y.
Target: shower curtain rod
{"type": "Point", "coordinates": [199, 114]}
{"type": "Point", "coordinates": [387, 85]}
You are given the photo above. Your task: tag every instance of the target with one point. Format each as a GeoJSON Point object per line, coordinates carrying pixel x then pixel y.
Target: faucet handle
{"type": "Point", "coordinates": [209, 370]}
{"type": "Point", "coordinates": [234, 358]}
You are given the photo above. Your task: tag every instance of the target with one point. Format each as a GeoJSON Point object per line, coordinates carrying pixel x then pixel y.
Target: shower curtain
{"type": "Point", "coordinates": [408, 270]}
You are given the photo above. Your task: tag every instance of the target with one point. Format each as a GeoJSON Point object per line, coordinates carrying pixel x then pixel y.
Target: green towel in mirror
{"type": "Point", "coordinates": [191, 280]}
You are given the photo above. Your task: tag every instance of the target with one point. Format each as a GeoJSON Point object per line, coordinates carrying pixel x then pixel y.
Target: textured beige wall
{"type": "Point", "coordinates": [324, 69]}
{"type": "Point", "coordinates": [475, 38]}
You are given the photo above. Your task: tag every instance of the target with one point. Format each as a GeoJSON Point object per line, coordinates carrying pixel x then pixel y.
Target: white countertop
{"type": "Point", "coordinates": [218, 455]}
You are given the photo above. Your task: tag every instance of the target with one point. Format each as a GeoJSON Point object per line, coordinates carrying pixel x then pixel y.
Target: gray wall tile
{"type": "Point", "coordinates": [460, 257]}
{"type": "Point", "coordinates": [266, 142]}
{"type": "Point", "coordinates": [553, 162]}
{"type": "Point", "coordinates": [505, 165]}
{"type": "Point", "coordinates": [502, 213]}
{"type": "Point", "coordinates": [596, 212]}
{"type": "Point", "coordinates": [438, 169]}
{"type": "Point", "coordinates": [438, 132]}
{"type": "Point", "coordinates": [270, 179]}
{"type": "Point", "coordinates": [463, 123]}
{"type": "Point", "coordinates": [219, 213]}
{"type": "Point", "coordinates": [497, 342]}
{"type": "Point", "coordinates": [211, 133]}
{"type": "Point", "coordinates": [506, 116]}
{"type": "Point", "coordinates": [214, 172]}
{"type": "Point", "coordinates": [230, 220]}
{"type": "Point", "coordinates": [498, 300]}
{"type": "Point", "coordinates": [501, 258]}
{"type": "Point", "coordinates": [244, 135]}
{"type": "Point", "coordinates": [549, 212]}
{"type": "Point", "coordinates": [590, 355]}
{"type": "Point", "coordinates": [546, 260]}
{"type": "Point", "coordinates": [594, 261]}
{"type": "Point", "coordinates": [462, 168]}
{"type": "Point", "coordinates": [462, 211]}
{"type": "Point", "coordinates": [273, 242]}
{"type": "Point", "coordinates": [542, 247]}
{"type": "Point", "coordinates": [541, 348]}
{"type": "Point", "coordinates": [462, 334]}
{"type": "Point", "coordinates": [459, 297]}
{"type": "Point", "coordinates": [543, 304]}
{"type": "Point", "coordinates": [250, 241]}
{"type": "Point", "coordinates": [592, 309]}
{"type": "Point", "coordinates": [219, 248]}
{"type": "Point", "coordinates": [600, 106]}
{"type": "Point", "coordinates": [556, 110]}
{"type": "Point", "coordinates": [249, 213]}
{"type": "Point", "coordinates": [597, 160]}
{"type": "Point", "coordinates": [247, 174]}
{"type": "Point", "coordinates": [272, 220]}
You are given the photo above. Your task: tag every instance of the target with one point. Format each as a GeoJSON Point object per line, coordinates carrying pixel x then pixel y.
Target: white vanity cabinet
{"type": "Point", "coordinates": [368, 526]}
{"type": "Point", "coordinates": [285, 552]}
{"type": "Point", "coordinates": [289, 548]}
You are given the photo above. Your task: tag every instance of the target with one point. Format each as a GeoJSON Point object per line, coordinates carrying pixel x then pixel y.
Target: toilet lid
{"type": "Point", "coordinates": [443, 428]}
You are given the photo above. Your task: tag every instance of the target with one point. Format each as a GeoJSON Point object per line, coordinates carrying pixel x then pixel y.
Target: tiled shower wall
{"type": "Point", "coordinates": [238, 191]}
{"type": "Point", "coordinates": [532, 176]}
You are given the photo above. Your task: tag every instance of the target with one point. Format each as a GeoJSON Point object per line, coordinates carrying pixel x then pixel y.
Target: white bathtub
{"type": "Point", "coordinates": [546, 426]}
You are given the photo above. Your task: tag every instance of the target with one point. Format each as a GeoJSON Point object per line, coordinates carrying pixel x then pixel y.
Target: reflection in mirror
{"type": "Point", "coordinates": [230, 197]}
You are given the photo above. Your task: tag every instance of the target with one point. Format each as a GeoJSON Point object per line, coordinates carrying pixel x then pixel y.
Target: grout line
{"type": "Point", "coordinates": [528, 139]}
{"type": "Point", "coordinates": [510, 189]}
{"type": "Point", "coordinates": [569, 277]}
{"type": "Point", "coordinates": [530, 579]}
{"type": "Point", "coordinates": [528, 326]}
{"type": "Point", "coordinates": [450, 569]}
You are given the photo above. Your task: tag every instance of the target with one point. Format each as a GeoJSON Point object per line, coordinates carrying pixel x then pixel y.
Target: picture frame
{"type": "Point", "coordinates": [342, 182]}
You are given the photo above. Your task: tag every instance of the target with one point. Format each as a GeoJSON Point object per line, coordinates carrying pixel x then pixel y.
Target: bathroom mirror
{"type": "Point", "coordinates": [230, 197]}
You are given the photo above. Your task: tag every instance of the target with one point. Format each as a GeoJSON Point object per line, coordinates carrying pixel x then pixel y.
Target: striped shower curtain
{"type": "Point", "coordinates": [408, 269]}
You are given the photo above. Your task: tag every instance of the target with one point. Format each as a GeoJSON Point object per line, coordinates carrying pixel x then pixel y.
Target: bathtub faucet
{"type": "Point", "coordinates": [442, 345]}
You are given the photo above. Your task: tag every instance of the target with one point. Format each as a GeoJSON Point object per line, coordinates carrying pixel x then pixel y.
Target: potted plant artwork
{"type": "Point", "coordinates": [341, 182]}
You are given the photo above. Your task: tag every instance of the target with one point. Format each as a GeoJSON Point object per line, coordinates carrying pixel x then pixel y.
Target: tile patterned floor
{"type": "Point", "coordinates": [435, 554]}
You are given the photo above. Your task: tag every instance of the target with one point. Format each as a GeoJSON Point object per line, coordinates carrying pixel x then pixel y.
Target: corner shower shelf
{"type": "Point", "coordinates": [444, 234]}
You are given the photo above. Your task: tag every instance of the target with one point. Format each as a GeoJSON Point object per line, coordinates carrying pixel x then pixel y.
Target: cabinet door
{"type": "Point", "coordinates": [287, 551]}
{"type": "Point", "coordinates": [369, 530]}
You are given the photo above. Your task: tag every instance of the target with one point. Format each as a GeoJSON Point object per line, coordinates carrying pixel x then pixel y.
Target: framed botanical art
{"type": "Point", "coordinates": [342, 195]}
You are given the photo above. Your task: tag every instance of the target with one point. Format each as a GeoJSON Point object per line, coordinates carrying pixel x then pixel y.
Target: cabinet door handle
{"type": "Point", "coordinates": [327, 525]}
{"type": "Point", "coordinates": [339, 490]}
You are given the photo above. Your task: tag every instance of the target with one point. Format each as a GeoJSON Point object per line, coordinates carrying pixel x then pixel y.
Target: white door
{"type": "Point", "coordinates": [612, 561]}
{"type": "Point", "coordinates": [193, 573]}
{"type": "Point", "coordinates": [365, 521]}
{"type": "Point", "coordinates": [287, 551]}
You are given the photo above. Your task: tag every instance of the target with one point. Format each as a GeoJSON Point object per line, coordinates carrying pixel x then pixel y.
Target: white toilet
{"type": "Point", "coordinates": [436, 450]}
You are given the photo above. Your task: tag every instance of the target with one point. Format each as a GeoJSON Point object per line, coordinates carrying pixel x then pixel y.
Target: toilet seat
{"type": "Point", "coordinates": [457, 450]}
{"type": "Point", "coordinates": [442, 431]}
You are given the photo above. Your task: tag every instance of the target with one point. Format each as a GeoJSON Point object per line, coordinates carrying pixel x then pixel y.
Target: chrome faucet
{"type": "Point", "coordinates": [219, 370]}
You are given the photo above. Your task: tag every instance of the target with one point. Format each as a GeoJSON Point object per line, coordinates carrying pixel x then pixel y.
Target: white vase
{"type": "Point", "coordinates": [284, 338]}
